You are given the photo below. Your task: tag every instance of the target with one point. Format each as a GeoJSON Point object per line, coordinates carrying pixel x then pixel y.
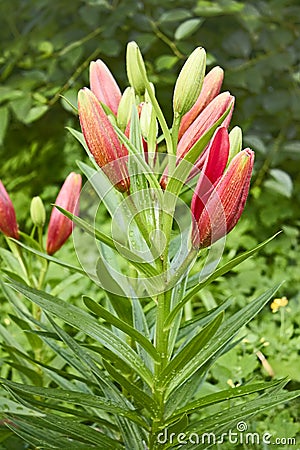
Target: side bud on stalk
{"type": "Point", "coordinates": [135, 78]}
{"type": "Point", "coordinates": [102, 140]}
{"type": "Point", "coordinates": [37, 212]}
{"type": "Point", "coordinates": [236, 141]}
{"type": "Point", "coordinates": [189, 82]}
{"type": "Point", "coordinates": [60, 227]}
{"type": "Point", "coordinates": [8, 221]}
{"type": "Point", "coordinates": [125, 108]}
{"type": "Point", "coordinates": [220, 212]}
{"type": "Point", "coordinates": [104, 85]}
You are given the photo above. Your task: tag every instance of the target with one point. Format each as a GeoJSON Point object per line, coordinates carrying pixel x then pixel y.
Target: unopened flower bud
{"type": "Point", "coordinates": [125, 108]}
{"type": "Point", "coordinates": [104, 85]}
{"type": "Point", "coordinates": [145, 119]}
{"type": "Point", "coordinates": [8, 221]}
{"type": "Point", "coordinates": [133, 57]}
{"type": "Point", "coordinates": [211, 87]}
{"type": "Point", "coordinates": [60, 226]}
{"type": "Point", "coordinates": [235, 140]}
{"type": "Point", "coordinates": [218, 213]}
{"type": "Point", "coordinates": [189, 82]}
{"type": "Point", "coordinates": [37, 212]}
{"type": "Point", "coordinates": [102, 140]}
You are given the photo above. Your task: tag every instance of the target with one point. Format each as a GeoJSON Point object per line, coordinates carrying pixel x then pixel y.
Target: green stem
{"type": "Point", "coordinates": [143, 230]}
{"type": "Point", "coordinates": [17, 252]}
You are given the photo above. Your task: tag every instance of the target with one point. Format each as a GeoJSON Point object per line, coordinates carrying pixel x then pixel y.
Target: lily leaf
{"type": "Point", "coordinates": [224, 335]}
{"type": "Point", "coordinates": [87, 324]}
{"type": "Point", "coordinates": [216, 274]}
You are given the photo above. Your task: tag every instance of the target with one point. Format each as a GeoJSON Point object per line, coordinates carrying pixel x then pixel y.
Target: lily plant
{"type": "Point", "coordinates": [129, 362]}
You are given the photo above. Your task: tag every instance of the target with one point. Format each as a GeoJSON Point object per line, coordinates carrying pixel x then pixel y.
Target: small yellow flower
{"type": "Point", "coordinates": [278, 303]}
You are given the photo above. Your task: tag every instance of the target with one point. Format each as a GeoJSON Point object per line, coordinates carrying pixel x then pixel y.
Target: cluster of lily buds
{"type": "Point", "coordinates": [198, 104]}
{"type": "Point", "coordinates": [60, 227]}
{"type": "Point", "coordinates": [97, 127]}
{"type": "Point", "coordinates": [8, 221]}
{"type": "Point", "coordinates": [220, 195]}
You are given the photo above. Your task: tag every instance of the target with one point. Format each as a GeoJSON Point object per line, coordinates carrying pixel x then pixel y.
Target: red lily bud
{"type": "Point", "coordinates": [212, 83]}
{"type": "Point", "coordinates": [102, 140]}
{"type": "Point", "coordinates": [8, 221]}
{"type": "Point", "coordinates": [60, 227]}
{"type": "Point", "coordinates": [220, 212]}
{"type": "Point", "coordinates": [213, 168]}
{"type": "Point", "coordinates": [104, 85]}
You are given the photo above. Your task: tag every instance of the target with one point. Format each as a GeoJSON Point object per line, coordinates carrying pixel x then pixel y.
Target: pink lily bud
{"type": "Point", "coordinates": [218, 214]}
{"type": "Point", "coordinates": [204, 121]}
{"type": "Point", "coordinates": [60, 227]}
{"type": "Point", "coordinates": [104, 85]}
{"type": "Point", "coordinates": [8, 221]}
{"type": "Point", "coordinates": [212, 83]}
{"type": "Point", "coordinates": [102, 140]}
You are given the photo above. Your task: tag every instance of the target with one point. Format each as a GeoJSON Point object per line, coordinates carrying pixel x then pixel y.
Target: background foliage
{"type": "Point", "coordinates": [46, 48]}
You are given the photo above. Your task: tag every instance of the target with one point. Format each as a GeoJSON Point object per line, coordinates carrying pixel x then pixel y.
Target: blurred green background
{"type": "Point", "coordinates": [45, 50]}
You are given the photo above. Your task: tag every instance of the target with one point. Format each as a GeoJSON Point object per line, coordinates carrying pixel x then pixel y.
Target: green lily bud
{"type": "Point", "coordinates": [145, 119]}
{"type": "Point", "coordinates": [189, 82]}
{"type": "Point", "coordinates": [37, 212]}
{"type": "Point", "coordinates": [135, 77]}
{"type": "Point", "coordinates": [125, 108]}
{"type": "Point", "coordinates": [235, 140]}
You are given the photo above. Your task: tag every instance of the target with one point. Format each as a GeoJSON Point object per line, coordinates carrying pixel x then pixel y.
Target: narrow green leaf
{"type": "Point", "coordinates": [75, 398]}
{"type": "Point", "coordinates": [8, 406]}
{"type": "Point", "coordinates": [67, 375]}
{"type": "Point", "coordinates": [140, 323]}
{"type": "Point", "coordinates": [136, 261]}
{"type": "Point", "coordinates": [222, 396]}
{"type": "Point", "coordinates": [216, 274]}
{"type": "Point", "coordinates": [75, 430]}
{"type": "Point", "coordinates": [84, 322]}
{"type": "Point", "coordinates": [80, 138]}
{"type": "Point", "coordinates": [48, 257]}
{"type": "Point", "coordinates": [221, 421]}
{"type": "Point", "coordinates": [116, 285]}
{"type": "Point", "coordinates": [121, 325]}
{"type": "Point", "coordinates": [111, 198]}
{"type": "Point", "coordinates": [109, 389]}
{"type": "Point", "coordinates": [201, 320]}
{"type": "Point", "coordinates": [140, 397]}
{"type": "Point", "coordinates": [190, 350]}
{"type": "Point", "coordinates": [45, 438]}
{"type": "Point", "coordinates": [223, 336]}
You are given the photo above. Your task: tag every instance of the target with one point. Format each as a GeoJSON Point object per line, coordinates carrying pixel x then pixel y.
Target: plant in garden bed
{"type": "Point", "coordinates": [125, 369]}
